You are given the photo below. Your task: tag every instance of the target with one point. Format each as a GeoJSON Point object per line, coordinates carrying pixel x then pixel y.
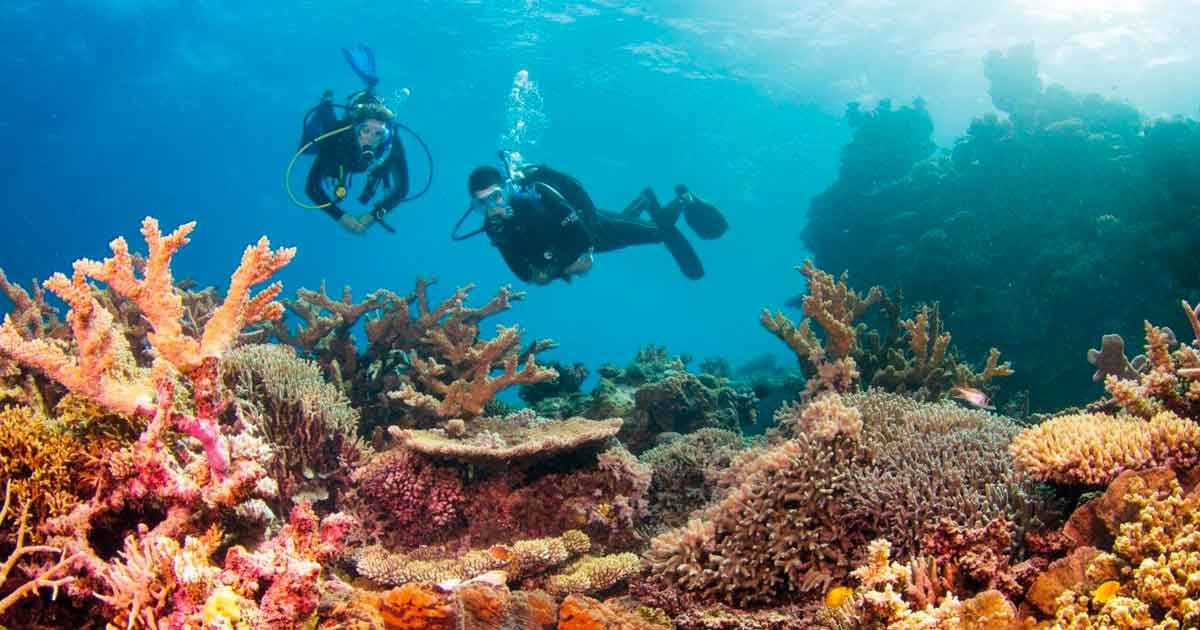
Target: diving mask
{"type": "Point", "coordinates": [493, 201]}
{"type": "Point", "coordinates": [372, 135]}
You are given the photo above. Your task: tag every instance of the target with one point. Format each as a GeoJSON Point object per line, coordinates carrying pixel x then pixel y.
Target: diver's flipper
{"type": "Point", "coordinates": [685, 256]}
{"type": "Point", "coordinates": [362, 61]}
{"type": "Point", "coordinates": [704, 218]}
{"type": "Point", "coordinates": [646, 202]}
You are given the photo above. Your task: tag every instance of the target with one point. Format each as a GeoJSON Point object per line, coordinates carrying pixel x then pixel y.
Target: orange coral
{"type": "Point", "coordinates": [416, 607]}
{"type": "Point", "coordinates": [102, 369]}
{"type": "Point", "coordinates": [578, 612]}
{"type": "Point", "coordinates": [1095, 448]}
{"type": "Point", "coordinates": [156, 297]}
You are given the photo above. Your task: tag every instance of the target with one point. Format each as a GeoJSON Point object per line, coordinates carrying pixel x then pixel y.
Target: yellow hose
{"type": "Point", "coordinates": [287, 174]}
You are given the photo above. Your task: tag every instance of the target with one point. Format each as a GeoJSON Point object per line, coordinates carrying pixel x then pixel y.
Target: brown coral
{"type": "Point", "coordinates": [803, 510]}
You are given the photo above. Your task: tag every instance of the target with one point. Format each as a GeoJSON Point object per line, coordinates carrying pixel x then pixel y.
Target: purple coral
{"type": "Point", "coordinates": [419, 500]}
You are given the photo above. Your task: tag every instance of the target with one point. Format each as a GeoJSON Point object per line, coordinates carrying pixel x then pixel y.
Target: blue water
{"type": "Point", "coordinates": [191, 110]}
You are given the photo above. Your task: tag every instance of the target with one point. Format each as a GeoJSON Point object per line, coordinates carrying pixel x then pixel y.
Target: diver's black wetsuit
{"type": "Point", "coordinates": [339, 156]}
{"type": "Point", "coordinates": [546, 232]}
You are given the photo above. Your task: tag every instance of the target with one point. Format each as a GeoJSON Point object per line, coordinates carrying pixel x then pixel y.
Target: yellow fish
{"type": "Point", "coordinates": [837, 596]}
{"type": "Point", "coordinates": [1106, 591]}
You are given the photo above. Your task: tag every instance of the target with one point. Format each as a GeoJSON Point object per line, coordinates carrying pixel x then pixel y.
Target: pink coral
{"type": "Point", "coordinates": [419, 500]}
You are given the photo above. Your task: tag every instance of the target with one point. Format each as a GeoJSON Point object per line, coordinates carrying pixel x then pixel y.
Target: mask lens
{"type": "Point", "coordinates": [373, 134]}
{"type": "Point", "coordinates": [495, 199]}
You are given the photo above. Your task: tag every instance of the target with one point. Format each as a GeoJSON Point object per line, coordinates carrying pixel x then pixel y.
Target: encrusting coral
{"type": "Point", "coordinates": [521, 559]}
{"type": "Point", "coordinates": [1149, 578]}
{"type": "Point", "coordinates": [1093, 448]}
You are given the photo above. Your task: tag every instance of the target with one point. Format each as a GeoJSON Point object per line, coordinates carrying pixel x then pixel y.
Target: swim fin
{"type": "Point", "coordinates": [362, 61]}
{"type": "Point", "coordinates": [704, 218]}
{"type": "Point", "coordinates": [681, 250]}
{"type": "Point", "coordinates": [646, 202]}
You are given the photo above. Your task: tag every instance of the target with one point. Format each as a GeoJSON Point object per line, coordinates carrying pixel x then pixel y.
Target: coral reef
{"type": "Point", "coordinates": [1039, 226]}
{"type": "Point", "coordinates": [508, 439]}
{"type": "Point", "coordinates": [1147, 580]}
{"type": "Point", "coordinates": [683, 472]}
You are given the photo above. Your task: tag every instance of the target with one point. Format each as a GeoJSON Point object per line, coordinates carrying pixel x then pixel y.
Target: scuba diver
{"type": "Point", "coordinates": [364, 141]}
{"type": "Point", "coordinates": [547, 227]}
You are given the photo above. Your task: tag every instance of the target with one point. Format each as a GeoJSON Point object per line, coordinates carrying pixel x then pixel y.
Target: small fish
{"type": "Point", "coordinates": [971, 396]}
{"type": "Point", "coordinates": [837, 596]}
{"type": "Point", "coordinates": [1106, 591]}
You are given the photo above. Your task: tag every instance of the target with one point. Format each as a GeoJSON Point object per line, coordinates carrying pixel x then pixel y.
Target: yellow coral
{"type": "Point", "coordinates": [49, 463]}
{"type": "Point", "coordinates": [223, 609]}
{"type": "Point", "coordinates": [1159, 552]}
{"type": "Point", "coordinates": [594, 574]}
{"type": "Point", "coordinates": [1095, 448]}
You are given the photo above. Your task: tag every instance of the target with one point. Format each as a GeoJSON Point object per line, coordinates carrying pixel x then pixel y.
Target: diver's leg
{"type": "Point", "coordinates": [613, 231]}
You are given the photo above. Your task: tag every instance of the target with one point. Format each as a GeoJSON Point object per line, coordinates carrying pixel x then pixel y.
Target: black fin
{"type": "Point", "coordinates": [646, 201]}
{"type": "Point", "coordinates": [705, 220]}
{"type": "Point", "coordinates": [683, 253]}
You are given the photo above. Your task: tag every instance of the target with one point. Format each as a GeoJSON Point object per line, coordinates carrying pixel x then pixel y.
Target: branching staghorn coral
{"type": "Point", "coordinates": [103, 367]}
{"type": "Point", "coordinates": [461, 388]}
{"type": "Point", "coordinates": [53, 577]}
{"type": "Point", "coordinates": [930, 372]}
{"type": "Point", "coordinates": [158, 475]}
{"type": "Point", "coordinates": [1169, 375]}
{"type": "Point", "coordinates": [916, 358]}
{"type": "Point", "coordinates": [1094, 448]}
{"type": "Point", "coordinates": [429, 357]}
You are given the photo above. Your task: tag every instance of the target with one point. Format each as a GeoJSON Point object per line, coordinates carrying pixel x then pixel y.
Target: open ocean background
{"type": "Point", "coordinates": [117, 109]}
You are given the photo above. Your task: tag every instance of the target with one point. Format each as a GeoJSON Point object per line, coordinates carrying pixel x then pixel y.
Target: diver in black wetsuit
{"type": "Point", "coordinates": [370, 147]}
{"type": "Point", "coordinates": [546, 226]}
{"type": "Point", "coordinates": [364, 140]}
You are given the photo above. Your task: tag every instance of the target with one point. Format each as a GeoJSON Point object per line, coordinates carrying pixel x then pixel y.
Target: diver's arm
{"type": "Point", "coordinates": [572, 243]}
{"type": "Point", "coordinates": [315, 188]}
